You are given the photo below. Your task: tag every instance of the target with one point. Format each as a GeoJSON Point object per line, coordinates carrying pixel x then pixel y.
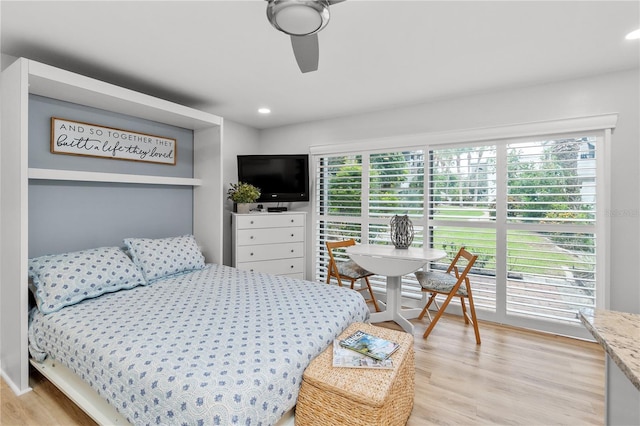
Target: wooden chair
{"type": "Point", "coordinates": [348, 270]}
{"type": "Point", "coordinates": [451, 285]}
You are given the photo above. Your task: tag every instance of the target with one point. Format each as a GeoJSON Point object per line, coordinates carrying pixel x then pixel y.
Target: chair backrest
{"type": "Point", "coordinates": [471, 259]}
{"type": "Point", "coordinates": [337, 244]}
{"type": "Point", "coordinates": [333, 268]}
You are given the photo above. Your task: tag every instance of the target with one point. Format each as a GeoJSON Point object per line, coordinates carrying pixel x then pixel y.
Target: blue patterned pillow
{"type": "Point", "coordinates": [158, 258]}
{"type": "Point", "coordinates": [65, 279]}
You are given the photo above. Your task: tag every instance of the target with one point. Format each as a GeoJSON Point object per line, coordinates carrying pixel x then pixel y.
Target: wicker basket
{"type": "Point", "coordinates": [359, 396]}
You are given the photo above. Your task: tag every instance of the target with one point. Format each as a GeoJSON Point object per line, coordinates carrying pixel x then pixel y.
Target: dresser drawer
{"type": "Point", "coordinates": [277, 267]}
{"type": "Point", "coordinates": [270, 242]}
{"type": "Point", "coordinates": [269, 251]}
{"type": "Point", "coordinates": [246, 237]}
{"type": "Point", "coordinates": [272, 220]}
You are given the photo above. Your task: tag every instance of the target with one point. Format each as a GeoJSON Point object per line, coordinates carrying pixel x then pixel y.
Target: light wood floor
{"type": "Point", "coordinates": [515, 377]}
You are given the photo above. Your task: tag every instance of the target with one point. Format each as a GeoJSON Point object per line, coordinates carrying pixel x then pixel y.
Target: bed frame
{"type": "Point", "coordinates": [24, 78]}
{"type": "Point", "coordinates": [79, 392]}
{"type": "Point", "coordinates": [93, 404]}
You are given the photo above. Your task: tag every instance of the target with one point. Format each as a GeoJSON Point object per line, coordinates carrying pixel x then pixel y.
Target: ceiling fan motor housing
{"type": "Point", "coordinates": [298, 17]}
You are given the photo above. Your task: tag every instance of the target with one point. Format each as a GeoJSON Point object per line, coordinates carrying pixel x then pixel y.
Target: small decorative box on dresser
{"type": "Point", "coordinates": [270, 242]}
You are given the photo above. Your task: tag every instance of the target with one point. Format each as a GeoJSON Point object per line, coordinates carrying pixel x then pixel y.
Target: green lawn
{"type": "Point", "coordinates": [527, 252]}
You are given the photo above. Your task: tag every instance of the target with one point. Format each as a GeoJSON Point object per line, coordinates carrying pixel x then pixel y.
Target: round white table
{"type": "Point", "coordinates": [393, 263]}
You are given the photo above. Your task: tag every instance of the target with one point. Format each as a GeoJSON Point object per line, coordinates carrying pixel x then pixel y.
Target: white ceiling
{"type": "Point", "coordinates": [224, 57]}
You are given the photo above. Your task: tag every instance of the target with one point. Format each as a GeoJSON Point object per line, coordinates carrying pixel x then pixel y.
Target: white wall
{"type": "Point", "coordinates": [238, 139]}
{"type": "Point", "coordinates": [616, 92]}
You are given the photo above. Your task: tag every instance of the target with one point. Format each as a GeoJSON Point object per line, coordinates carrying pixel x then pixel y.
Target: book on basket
{"type": "Point", "coordinates": [347, 358]}
{"type": "Point", "coordinates": [369, 345]}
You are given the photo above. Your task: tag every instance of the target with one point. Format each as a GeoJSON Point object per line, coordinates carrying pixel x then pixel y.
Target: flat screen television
{"type": "Point", "coordinates": [281, 178]}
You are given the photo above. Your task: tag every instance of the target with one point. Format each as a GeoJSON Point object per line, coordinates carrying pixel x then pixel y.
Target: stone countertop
{"type": "Point", "coordinates": [619, 335]}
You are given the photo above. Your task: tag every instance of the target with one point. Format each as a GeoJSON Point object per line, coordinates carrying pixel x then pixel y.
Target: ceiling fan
{"type": "Point", "coordinates": [302, 20]}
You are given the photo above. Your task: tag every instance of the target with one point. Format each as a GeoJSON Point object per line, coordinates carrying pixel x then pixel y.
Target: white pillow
{"type": "Point", "coordinates": [159, 258]}
{"type": "Point", "coordinates": [65, 279]}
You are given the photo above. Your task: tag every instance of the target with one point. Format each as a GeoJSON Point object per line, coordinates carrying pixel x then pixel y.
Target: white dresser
{"type": "Point", "coordinates": [270, 242]}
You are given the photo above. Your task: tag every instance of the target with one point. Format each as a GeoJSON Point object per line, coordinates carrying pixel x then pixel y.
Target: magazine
{"type": "Point", "coordinates": [371, 346]}
{"type": "Point", "coordinates": [347, 358]}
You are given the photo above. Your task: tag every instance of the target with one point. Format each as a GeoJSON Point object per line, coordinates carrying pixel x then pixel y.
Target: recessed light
{"type": "Point", "coordinates": [264, 110]}
{"type": "Point", "coordinates": [633, 35]}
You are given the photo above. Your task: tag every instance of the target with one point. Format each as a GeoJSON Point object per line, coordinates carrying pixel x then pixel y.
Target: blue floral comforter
{"type": "Point", "coordinates": [216, 346]}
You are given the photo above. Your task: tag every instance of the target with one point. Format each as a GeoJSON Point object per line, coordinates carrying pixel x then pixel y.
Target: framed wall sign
{"type": "Point", "coordinates": [78, 138]}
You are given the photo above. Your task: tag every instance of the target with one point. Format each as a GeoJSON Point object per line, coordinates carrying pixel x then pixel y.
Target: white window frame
{"type": "Point", "coordinates": [600, 126]}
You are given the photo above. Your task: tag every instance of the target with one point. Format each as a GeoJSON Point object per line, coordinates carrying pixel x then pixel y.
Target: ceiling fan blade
{"type": "Point", "coordinates": [306, 50]}
{"type": "Point", "coordinates": [335, 1]}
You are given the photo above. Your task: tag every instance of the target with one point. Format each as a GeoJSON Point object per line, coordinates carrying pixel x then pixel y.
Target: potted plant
{"type": "Point", "coordinates": [242, 194]}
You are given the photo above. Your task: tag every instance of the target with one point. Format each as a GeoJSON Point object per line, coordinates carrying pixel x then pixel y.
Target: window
{"type": "Point", "coordinates": [551, 233]}
{"type": "Point", "coordinates": [462, 211]}
{"type": "Point", "coordinates": [527, 206]}
{"type": "Point", "coordinates": [348, 209]}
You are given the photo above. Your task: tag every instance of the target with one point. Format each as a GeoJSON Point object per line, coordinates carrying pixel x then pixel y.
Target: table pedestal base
{"type": "Point", "coordinates": [394, 311]}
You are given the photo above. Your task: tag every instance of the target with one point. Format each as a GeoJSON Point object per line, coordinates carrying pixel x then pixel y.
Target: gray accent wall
{"type": "Point", "coordinates": [41, 110]}
{"type": "Point", "coordinates": [68, 216]}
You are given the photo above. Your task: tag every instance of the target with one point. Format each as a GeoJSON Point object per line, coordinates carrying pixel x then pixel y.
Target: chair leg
{"type": "Point", "coordinates": [474, 319]}
{"type": "Point", "coordinates": [464, 311]}
{"type": "Point", "coordinates": [435, 302]}
{"type": "Point", "coordinates": [426, 306]}
{"type": "Point", "coordinates": [373, 298]}
{"type": "Point", "coordinates": [438, 315]}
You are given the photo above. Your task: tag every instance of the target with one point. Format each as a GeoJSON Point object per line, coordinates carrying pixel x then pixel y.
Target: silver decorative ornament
{"type": "Point", "coordinates": [401, 231]}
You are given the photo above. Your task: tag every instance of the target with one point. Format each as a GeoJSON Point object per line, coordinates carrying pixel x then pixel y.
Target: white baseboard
{"type": "Point", "coordinates": [12, 385]}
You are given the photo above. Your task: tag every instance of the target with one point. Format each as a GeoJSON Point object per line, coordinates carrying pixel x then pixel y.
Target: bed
{"type": "Point", "coordinates": [189, 343]}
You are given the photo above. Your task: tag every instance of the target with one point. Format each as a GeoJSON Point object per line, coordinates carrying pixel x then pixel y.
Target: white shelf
{"type": "Point", "coordinates": [45, 80]}
{"type": "Point", "coordinates": [72, 175]}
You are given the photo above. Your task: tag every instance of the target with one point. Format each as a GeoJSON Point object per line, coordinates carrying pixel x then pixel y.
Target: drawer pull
{"type": "Point", "coordinates": [251, 237]}
{"type": "Point", "coordinates": [251, 222]}
{"type": "Point", "coordinates": [251, 254]}
{"type": "Point", "coordinates": [291, 266]}
{"type": "Point", "coordinates": [293, 235]}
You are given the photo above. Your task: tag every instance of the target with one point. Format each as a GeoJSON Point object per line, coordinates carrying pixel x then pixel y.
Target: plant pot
{"type": "Point", "coordinates": [243, 208]}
